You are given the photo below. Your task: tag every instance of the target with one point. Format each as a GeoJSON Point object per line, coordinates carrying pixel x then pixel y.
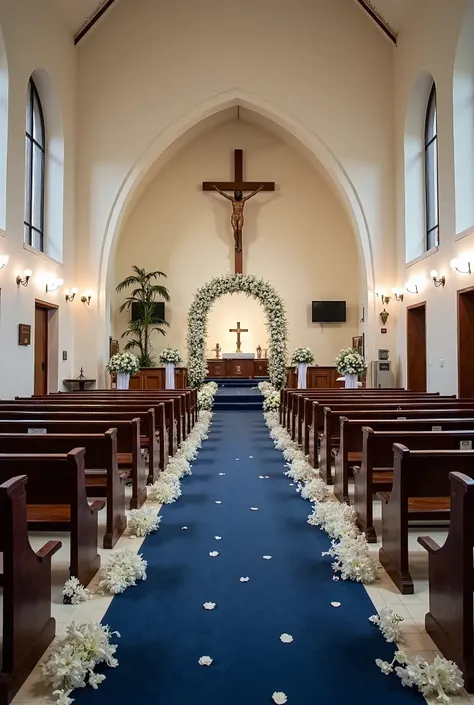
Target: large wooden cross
{"type": "Point", "coordinates": [238, 184]}
{"type": "Point", "coordinates": [238, 330]}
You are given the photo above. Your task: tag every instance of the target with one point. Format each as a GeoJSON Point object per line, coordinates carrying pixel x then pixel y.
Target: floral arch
{"type": "Point", "coordinates": [199, 312]}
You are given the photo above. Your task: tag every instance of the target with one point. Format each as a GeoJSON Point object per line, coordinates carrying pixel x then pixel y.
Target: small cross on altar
{"type": "Point", "coordinates": [238, 185]}
{"type": "Point", "coordinates": [238, 330]}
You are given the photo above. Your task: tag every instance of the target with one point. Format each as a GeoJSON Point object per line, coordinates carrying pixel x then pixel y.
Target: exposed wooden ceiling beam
{"type": "Point", "coordinates": [379, 20]}
{"type": "Point", "coordinates": [92, 20]}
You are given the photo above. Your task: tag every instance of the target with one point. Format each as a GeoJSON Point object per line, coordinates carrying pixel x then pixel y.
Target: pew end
{"type": "Point", "coordinates": [428, 544]}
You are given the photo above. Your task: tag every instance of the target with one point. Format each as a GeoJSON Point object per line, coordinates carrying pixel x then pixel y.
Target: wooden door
{"type": "Point", "coordinates": [41, 350]}
{"type": "Point", "coordinates": [416, 347]}
{"type": "Point", "coordinates": [466, 342]}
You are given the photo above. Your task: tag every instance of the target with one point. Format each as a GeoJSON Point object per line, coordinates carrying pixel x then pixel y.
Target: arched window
{"type": "Point", "coordinates": [35, 162]}
{"type": "Point", "coordinates": [431, 172]}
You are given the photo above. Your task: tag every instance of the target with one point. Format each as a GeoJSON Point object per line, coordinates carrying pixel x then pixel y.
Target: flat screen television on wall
{"type": "Point", "coordinates": [158, 306]}
{"type": "Point", "coordinates": [328, 312]}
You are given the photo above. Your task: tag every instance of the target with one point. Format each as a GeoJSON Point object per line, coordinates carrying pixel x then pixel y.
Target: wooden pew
{"type": "Point", "coordinates": [330, 438]}
{"type": "Point", "coordinates": [375, 474]}
{"type": "Point", "coordinates": [28, 627]}
{"type": "Point", "coordinates": [102, 474]}
{"type": "Point", "coordinates": [56, 501]}
{"type": "Point", "coordinates": [450, 619]}
{"type": "Point", "coordinates": [128, 444]}
{"type": "Point", "coordinates": [158, 456]}
{"type": "Point", "coordinates": [420, 491]}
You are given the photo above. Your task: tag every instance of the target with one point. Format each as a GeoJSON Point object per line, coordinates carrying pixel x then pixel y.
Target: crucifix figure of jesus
{"type": "Point", "coordinates": [238, 186]}
{"type": "Point", "coordinates": [238, 330]}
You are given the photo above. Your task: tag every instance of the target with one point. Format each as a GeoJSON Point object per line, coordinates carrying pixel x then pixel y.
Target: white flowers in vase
{"type": "Point", "coordinates": [302, 356]}
{"type": "Point", "coordinates": [350, 362]}
{"type": "Point", "coordinates": [170, 356]}
{"type": "Point", "coordinates": [123, 363]}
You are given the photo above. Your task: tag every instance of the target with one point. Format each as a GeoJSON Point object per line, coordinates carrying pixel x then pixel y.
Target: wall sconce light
{"type": "Point", "coordinates": [3, 260]}
{"type": "Point", "coordinates": [384, 316]}
{"type": "Point", "coordinates": [72, 295]}
{"type": "Point", "coordinates": [54, 285]}
{"type": "Point", "coordinates": [441, 281]}
{"type": "Point", "coordinates": [398, 294]}
{"type": "Point", "coordinates": [385, 299]}
{"type": "Point", "coordinates": [411, 287]}
{"type": "Point", "coordinates": [86, 298]}
{"type": "Point", "coordinates": [461, 265]}
{"type": "Point", "coordinates": [25, 279]}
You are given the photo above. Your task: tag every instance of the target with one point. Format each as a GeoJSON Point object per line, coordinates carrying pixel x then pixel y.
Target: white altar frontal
{"type": "Point", "coordinates": [238, 356]}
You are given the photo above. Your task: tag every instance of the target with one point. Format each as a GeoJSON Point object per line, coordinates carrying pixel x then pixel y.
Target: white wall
{"type": "Point", "coordinates": [35, 39]}
{"type": "Point", "coordinates": [298, 238]}
{"type": "Point", "coordinates": [321, 69]}
{"type": "Point", "coordinates": [428, 46]}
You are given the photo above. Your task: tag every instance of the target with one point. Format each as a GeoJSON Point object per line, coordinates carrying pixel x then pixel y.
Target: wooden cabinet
{"type": "Point", "coordinates": [216, 368]}
{"type": "Point", "coordinates": [235, 369]}
{"type": "Point", "coordinates": [260, 367]}
{"type": "Point", "coordinates": [317, 378]}
{"type": "Point", "coordinates": [154, 378]}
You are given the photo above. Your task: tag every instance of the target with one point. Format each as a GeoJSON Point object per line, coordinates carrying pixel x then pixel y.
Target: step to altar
{"type": "Point", "coordinates": [239, 382]}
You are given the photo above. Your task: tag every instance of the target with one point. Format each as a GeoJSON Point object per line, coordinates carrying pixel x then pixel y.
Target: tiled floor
{"type": "Point", "coordinates": [411, 607]}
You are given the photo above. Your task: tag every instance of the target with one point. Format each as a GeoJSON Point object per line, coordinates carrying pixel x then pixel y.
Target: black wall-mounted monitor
{"type": "Point", "coordinates": [158, 307]}
{"type": "Point", "coordinates": [328, 312]}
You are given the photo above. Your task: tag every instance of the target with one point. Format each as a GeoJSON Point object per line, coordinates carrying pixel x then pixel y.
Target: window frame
{"type": "Point", "coordinates": [431, 188]}
{"type": "Point", "coordinates": [32, 230]}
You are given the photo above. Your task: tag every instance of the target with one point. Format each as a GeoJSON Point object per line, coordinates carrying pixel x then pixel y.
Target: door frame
{"type": "Point", "coordinates": [50, 308]}
{"type": "Point", "coordinates": [420, 304]}
{"type": "Point", "coordinates": [459, 293]}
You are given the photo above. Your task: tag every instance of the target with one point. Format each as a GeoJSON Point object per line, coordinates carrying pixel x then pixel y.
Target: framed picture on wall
{"type": "Point", "coordinates": [358, 343]}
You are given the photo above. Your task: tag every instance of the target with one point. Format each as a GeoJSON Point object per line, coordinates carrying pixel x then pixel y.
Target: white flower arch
{"type": "Point", "coordinates": [199, 312]}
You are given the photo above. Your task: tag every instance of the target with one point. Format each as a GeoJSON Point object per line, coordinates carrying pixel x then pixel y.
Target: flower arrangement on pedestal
{"type": "Point", "coordinates": [350, 362]}
{"type": "Point", "coordinates": [170, 356]}
{"type": "Point", "coordinates": [198, 315]}
{"type": "Point", "coordinates": [302, 356]}
{"type": "Point", "coordinates": [123, 363]}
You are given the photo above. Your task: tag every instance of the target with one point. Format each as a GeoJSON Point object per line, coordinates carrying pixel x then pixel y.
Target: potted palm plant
{"type": "Point", "coordinates": [144, 295]}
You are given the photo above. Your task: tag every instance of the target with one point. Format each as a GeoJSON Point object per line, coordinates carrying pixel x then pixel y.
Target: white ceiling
{"type": "Point", "coordinates": [76, 13]}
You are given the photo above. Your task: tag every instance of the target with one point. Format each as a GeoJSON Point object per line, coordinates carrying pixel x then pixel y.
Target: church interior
{"type": "Point", "coordinates": [236, 345]}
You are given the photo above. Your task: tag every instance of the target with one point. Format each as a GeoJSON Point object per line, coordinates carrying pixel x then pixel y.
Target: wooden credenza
{"type": "Point", "coordinates": [317, 377]}
{"type": "Point", "coordinates": [235, 369]}
{"type": "Point", "coordinates": [154, 378]}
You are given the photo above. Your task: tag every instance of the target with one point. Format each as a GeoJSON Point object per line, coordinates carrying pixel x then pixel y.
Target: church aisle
{"type": "Point", "coordinates": [165, 629]}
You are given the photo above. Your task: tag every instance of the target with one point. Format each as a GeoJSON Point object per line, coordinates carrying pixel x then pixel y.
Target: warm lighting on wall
{"type": "Point", "coordinates": [385, 299]}
{"type": "Point", "coordinates": [3, 260]}
{"type": "Point", "coordinates": [24, 280]}
{"type": "Point", "coordinates": [461, 265]}
{"type": "Point", "coordinates": [398, 294]}
{"type": "Point", "coordinates": [437, 281]}
{"type": "Point", "coordinates": [72, 295]}
{"type": "Point", "coordinates": [86, 298]}
{"type": "Point", "coordinates": [53, 285]}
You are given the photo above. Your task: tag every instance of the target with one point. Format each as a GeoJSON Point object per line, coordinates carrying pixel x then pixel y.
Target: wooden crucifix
{"type": "Point", "coordinates": [238, 186]}
{"type": "Point", "coordinates": [238, 330]}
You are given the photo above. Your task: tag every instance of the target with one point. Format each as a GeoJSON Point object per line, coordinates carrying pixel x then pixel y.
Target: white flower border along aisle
{"type": "Point", "coordinates": [353, 561]}
{"type": "Point", "coordinates": [198, 317]}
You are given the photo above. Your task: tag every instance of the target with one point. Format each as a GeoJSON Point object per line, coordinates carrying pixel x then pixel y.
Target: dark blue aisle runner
{"type": "Point", "coordinates": [165, 629]}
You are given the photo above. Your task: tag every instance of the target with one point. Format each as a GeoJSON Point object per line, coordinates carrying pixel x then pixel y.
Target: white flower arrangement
{"type": "Point", "coordinates": [302, 356]}
{"type": "Point", "coordinates": [353, 559]}
{"type": "Point", "coordinates": [75, 592]}
{"type": "Point", "coordinates": [314, 490]}
{"type": "Point", "coordinates": [166, 489]}
{"type": "Point", "coordinates": [389, 624]}
{"type": "Point", "coordinates": [198, 317]}
{"type": "Point", "coordinates": [206, 396]}
{"type": "Point", "coordinates": [272, 402]}
{"type": "Point", "coordinates": [122, 570]}
{"type": "Point", "coordinates": [72, 660]}
{"type": "Point", "coordinates": [350, 362]}
{"type": "Point", "coordinates": [266, 388]}
{"type": "Point", "coordinates": [170, 356]}
{"type": "Point", "coordinates": [123, 363]}
{"type": "Point", "coordinates": [438, 680]}
{"type": "Point", "coordinates": [141, 522]}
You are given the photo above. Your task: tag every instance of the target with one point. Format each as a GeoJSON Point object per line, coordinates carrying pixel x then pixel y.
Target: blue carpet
{"type": "Point", "coordinates": [165, 629]}
{"type": "Point", "coordinates": [238, 398]}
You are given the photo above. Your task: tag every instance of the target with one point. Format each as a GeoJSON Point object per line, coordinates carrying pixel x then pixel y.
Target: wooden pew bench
{"type": "Point", "coordinates": [103, 478]}
{"type": "Point", "coordinates": [450, 620]}
{"type": "Point", "coordinates": [28, 627]}
{"type": "Point", "coordinates": [421, 492]}
{"type": "Point", "coordinates": [56, 501]}
{"type": "Point", "coordinates": [375, 474]}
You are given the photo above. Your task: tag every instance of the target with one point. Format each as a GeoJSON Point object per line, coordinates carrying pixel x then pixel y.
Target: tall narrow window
{"type": "Point", "coordinates": [35, 160]}
{"type": "Point", "coordinates": [431, 172]}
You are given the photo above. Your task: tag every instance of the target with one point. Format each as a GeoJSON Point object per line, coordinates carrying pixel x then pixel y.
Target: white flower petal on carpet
{"type": "Point", "coordinates": [222, 473]}
{"type": "Point", "coordinates": [205, 661]}
{"type": "Point", "coordinates": [218, 538]}
{"type": "Point", "coordinates": [286, 638]}
{"type": "Point", "coordinates": [250, 456]}
{"type": "Point", "coordinates": [184, 528]}
{"type": "Point", "coordinates": [244, 580]}
{"type": "Point", "coordinates": [254, 509]}
{"type": "Point", "coordinates": [237, 458]}
{"type": "Point", "coordinates": [279, 698]}
{"type": "Point", "coordinates": [335, 604]}
{"type": "Point", "coordinates": [209, 605]}
{"type": "Point", "coordinates": [267, 558]}
{"type": "Point", "coordinates": [218, 501]}
{"type": "Point", "coordinates": [213, 554]}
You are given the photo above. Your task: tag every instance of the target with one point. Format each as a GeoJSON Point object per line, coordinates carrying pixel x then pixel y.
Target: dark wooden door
{"type": "Point", "coordinates": [416, 348]}
{"type": "Point", "coordinates": [41, 350]}
{"type": "Point", "coordinates": [466, 342]}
